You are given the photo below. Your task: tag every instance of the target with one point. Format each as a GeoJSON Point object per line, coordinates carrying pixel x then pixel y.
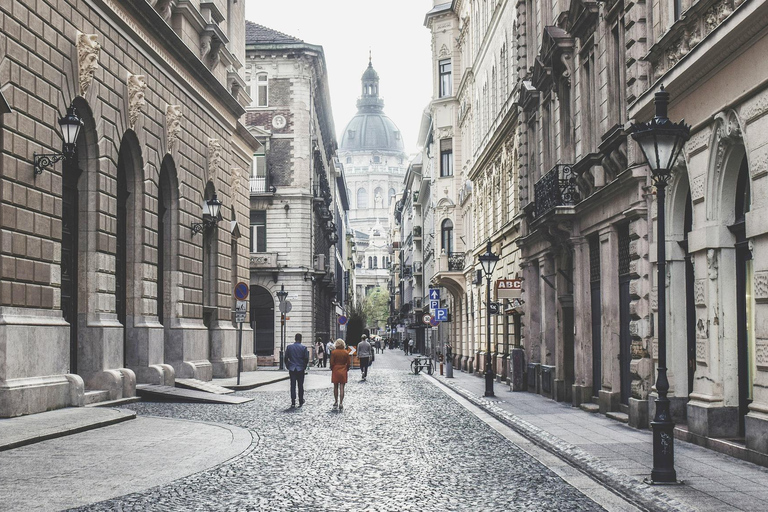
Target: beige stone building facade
{"type": "Point", "coordinates": [104, 282]}
{"type": "Point", "coordinates": [476, 119]}
{"type": "Point", "coordinates": [296, 220]}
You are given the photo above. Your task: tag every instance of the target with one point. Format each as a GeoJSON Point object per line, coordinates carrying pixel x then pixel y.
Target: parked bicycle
{"type": "Point", "coordinates": [422, 363]}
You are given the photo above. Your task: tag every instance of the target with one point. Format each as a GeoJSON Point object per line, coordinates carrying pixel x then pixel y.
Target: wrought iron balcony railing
{"type": "Point", "coordinates": [456, 262]}
{"type": "Point", "coordinates": [260, 185]}
{"type": "Point", "coordinates": [556, 188]}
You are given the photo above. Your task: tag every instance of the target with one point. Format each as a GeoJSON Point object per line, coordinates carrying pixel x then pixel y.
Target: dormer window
{"type": "Point", "coordinates": [377, 159]}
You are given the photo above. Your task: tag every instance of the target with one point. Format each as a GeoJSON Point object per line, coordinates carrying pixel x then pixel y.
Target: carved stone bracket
{"type": "Point", "coordinates": [173, 118]}
{"type": "Point", "coordinates": [728, 133]}
{"type": "Point", "coordinates": [214, 159]}
{"type": "Point", "coordinates": [164, 8]}
{"type": "Point", "coordinates": [137, 84]}
{"type": "Point", "coordinates": [234, 182]}
{"type": "Point", "coordinates": [88, 50]}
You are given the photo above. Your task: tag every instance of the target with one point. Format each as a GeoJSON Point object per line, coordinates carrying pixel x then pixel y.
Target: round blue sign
{"type": "Point", "coordinates": [241, 291]}
{"type": "Point", "coordinates": [434, 322]}
{"type": "Point", "coordinates": [342, 320]}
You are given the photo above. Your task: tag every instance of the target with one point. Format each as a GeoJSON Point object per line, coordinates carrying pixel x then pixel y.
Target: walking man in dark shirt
{"type": "Point", "coordinates": [296, 360]}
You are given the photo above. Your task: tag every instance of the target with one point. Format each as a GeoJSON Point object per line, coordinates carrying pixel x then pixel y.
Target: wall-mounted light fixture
{"type": "Point", "coordinates": [211, 215]}
{"type": "Point", "coordinates": [70, 128]}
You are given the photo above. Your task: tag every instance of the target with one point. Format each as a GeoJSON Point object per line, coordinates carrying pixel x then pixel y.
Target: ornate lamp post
{"type": "Point", "coordinates": [281, 296]}
{"type": "Point", "coordinates": [488, 261]}
{"type": "Point", "coordinates": [661, 141]}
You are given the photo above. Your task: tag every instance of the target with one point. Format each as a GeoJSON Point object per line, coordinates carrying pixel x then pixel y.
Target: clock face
{"type": "Point", "coordinates": [278, 122]}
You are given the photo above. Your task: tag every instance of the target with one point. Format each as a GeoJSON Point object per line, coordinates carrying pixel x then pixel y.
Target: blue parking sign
{"type": "Point", "coordinates": [434, 304]}
{"type": "Point", "coordinates": [441, 314]}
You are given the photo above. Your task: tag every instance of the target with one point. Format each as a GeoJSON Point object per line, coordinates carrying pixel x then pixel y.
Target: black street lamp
{"type": "Point", "coordinates": [70, 126]}
{"type": "Point", "coordinates": [211, 215]}
{"type": "Point", "coordinates": [281, 296]}
{"type": "Point", "coordinates": [661, 141]}
{"type": "Point", "coordinates": [488, 261]}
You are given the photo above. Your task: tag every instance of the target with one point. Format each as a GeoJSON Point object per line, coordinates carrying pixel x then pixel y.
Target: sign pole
{"type": "Point", "coordinates": [239, 351]}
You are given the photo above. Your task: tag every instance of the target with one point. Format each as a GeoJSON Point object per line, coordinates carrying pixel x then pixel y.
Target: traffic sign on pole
{"type": "Point", "coordinates": [434, 304]}
{"type": "Point", "coordinates": [426, 319]}
{"type": "Point", "coordinates": [434, 294]}
{"type": "Point", "coordinates": [434, 322]}
{"type": "Point", "coordinates": [241, 291]}
{"type": "Point", "coordinates": [286, 306]}
{"type": "Point", "coordinates": [342, 320]}
{"type": "Point", "coordinates": [441, 314]}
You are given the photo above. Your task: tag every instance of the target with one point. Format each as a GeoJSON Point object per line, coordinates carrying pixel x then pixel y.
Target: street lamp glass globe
{"type": "Point", "coordinates": [214, 207]}
{"type": "Point", "coordinates": [488, 261]}
{"type": "Point", "coordinates": [70, 127]}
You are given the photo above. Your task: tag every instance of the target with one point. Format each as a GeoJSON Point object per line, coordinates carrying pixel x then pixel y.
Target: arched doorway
{"type": "Point", "coordinates": [262, 321]}
{"type": "Point", "coordinates": [745, 334]}
{"type": "Point", "coordinates": [167, 213]}
{"type": "Point", "coordinates": [74, 215]}
{"type": "Point", "coordinates": [129, 206]}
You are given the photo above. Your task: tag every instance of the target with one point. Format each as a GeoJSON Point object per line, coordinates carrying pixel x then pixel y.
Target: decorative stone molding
{"type": "Point", "coordinates": [761, 286]}
{"type": "Point", "coordinates": [754, 109]}
{"type": "Point", "coordinates": [712, 264]}
{"type": "Point", "coordinates": [164, 8]}
{"type": "Point", "coordinates": [701, 352]}
{"type": "Point", "coordinates": [759, 163]}
{"type": "Point", "coordinates": [137, 84]}
{"type": "Point", "coordinates": [173, 117]}
{"type": "Point", "coordinates": [234, 182]}
{"type": "Point", "coordinates": [761, 353]}
{"type": "Point", "coordinates": [697, 188]}
{"type": "Point", "coordinates": [699, 292]}
{"type": "Point", "coordinates": [214, 159]}
{"type": "Point", "coordinates": [88, 50]}
{"type": "Point", "coordinates": [444, 52]}
{"type": "Point", "coordinates": [698, 142]}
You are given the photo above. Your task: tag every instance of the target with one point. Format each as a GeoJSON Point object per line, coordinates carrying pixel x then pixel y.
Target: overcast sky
{"type": "Point", "coordinates": [346, 29]}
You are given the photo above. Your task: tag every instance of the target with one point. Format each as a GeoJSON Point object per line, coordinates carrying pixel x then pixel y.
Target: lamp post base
{"type": "Point", "coordinates": [281, 359]}
{"type": "Point", "coordinates": [489, 378]}
{"type": "Point", "coordinates": [663, 444]}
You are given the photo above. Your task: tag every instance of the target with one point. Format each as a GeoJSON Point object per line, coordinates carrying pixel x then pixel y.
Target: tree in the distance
{"type": "Point", "coordinates": [355, 323]}
{"type": "Point", "coordinates": [376, 308]}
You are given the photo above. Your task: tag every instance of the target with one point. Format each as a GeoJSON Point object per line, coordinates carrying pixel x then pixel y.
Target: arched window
{"type": "Point", "coordinates": [362, 198]}
{"type": "Point", "coordinates": [370, 262]}
{"type": "Point", "coordinates": [392, 195]}
{"type": "Point", "coordinates": [446, 236]}
{"type": "Point", "coordinates": [260, 90]}
{"type": "Point", "coordinates": [375, 262]}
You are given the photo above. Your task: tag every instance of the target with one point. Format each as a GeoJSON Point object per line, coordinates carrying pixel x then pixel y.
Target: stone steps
{"type": "Point", "coordinates": [200, 385]}
{"type": "Point", "coordinates": [116, 403]}
{"type": "Point", "coordinates": [618, 416]}
{"type": "Point", "coordinates": [96, 396]}
{"type": "Point", "coordinates": [588, 407]}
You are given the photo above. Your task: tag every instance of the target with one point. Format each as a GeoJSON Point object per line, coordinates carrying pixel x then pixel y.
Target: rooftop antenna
{"type": "Point", "coordinates": [369, 55]}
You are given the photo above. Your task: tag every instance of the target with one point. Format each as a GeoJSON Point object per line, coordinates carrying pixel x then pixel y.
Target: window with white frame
{"type": "Point", "coordinates": [258, 231]}
{"type": "Point", "coordinates": [259, 173]}
{"type": "Point", "coordinates": [445, 78]}
{"type": "Point", "coordinates": [260, 89]}
{"type": "Point", "coordinates": [446, 158]}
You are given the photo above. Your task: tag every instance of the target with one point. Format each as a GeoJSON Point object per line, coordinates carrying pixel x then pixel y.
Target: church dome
{"type": "Point", "coordinates": [371, 129]}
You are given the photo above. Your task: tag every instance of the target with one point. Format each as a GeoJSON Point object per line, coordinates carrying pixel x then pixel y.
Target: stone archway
{"type": "Point", "coordinates": [262, 321]}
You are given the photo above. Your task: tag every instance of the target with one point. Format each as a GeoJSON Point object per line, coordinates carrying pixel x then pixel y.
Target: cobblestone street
{"type": "Point", "coordinates": [401, 443]}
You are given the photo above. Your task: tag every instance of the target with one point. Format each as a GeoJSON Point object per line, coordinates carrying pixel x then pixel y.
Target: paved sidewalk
{"type": "Point", "coordinates": [612, 450]}
{"type": "Point", "coordinates": [112, 461]}
{"type": "Point", "coordinates": [33, 428]}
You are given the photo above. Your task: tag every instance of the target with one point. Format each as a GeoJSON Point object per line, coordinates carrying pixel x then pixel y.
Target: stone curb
{"type": "Point", "coordinates": [636, 492]}
{"type": "Point", "coordinates": [125, 416]}
{"type": "Point", "coordinates": [246, 387]}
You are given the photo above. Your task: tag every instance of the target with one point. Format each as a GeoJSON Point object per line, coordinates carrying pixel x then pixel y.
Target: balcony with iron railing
{"type": "Point", "coordinates": [554, 189]}
{"type": "Point", "coordinates": [260, 185]}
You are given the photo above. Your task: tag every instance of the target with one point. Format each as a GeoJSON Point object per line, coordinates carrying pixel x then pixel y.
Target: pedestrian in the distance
{"type": "Point", "coordinates": [407, 345]}
{"type": "Point", "coordinates": [364, 353]}
{"type": "Point", "coordinates": [378, 345]}
{"type": "Point", "coordinates": [411, 345]}
{"type": "Point", "coordinates": [296, 360]}
{"type": "Point", "coordinates": [340, 362]}
{"type": "Point", "coordinates": [329, 347]}
{"type": "Point", "coordinates": [320, 352]}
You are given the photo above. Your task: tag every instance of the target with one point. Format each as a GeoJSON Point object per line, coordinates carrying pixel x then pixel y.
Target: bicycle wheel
{"type": "Point", "coordinates": [415, 367]}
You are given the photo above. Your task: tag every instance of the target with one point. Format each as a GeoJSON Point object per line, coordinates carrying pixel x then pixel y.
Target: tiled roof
{"type": "Point", "coordinates": [255, 34]}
